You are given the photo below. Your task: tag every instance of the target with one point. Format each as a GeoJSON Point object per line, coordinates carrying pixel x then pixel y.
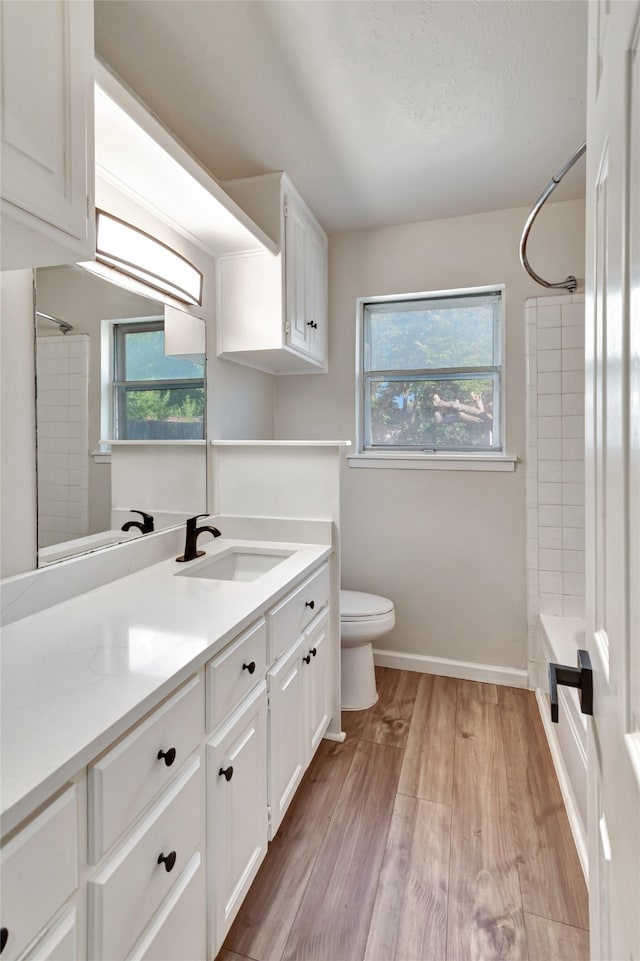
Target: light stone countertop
{"type": "Point", "coordinates": [77, 675]}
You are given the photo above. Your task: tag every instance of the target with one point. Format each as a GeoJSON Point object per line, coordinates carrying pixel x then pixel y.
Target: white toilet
{"type": "Point", "coordinates": [363, 619]}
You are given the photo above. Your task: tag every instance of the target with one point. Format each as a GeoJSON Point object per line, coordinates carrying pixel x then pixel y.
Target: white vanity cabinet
{"type": "Point", "coordinates": [148, 854]}
{"type": "Point", "coordinates": [38, 874]}
{"type": "Point", "coordinates": [272, 308]}
{"type": "Point", "coordinates": [46, 204]}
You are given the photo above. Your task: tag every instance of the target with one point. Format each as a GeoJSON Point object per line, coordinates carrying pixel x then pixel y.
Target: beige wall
{"type": "Point", "coordinates": [447, 547]}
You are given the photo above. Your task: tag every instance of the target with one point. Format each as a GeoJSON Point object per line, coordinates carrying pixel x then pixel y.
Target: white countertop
{"type": "Point", "coordinates": [77, 675]}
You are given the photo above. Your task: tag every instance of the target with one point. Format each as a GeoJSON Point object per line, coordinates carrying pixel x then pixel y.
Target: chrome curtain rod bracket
{"type": "Point", "coordinates": [570, 283]}
{"type": "Point", "coordinates": [62, 324]}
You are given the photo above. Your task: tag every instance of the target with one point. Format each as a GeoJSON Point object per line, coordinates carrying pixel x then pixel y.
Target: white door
{"type": "Point", "coordinates": [613, 475]}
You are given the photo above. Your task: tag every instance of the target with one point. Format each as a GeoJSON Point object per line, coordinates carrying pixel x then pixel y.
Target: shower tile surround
{"type": "Point", "coordinates": [63, 437]}
{"type": "Point", "coordinates": [555, 464]}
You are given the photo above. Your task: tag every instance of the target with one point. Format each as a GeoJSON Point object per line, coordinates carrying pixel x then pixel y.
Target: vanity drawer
{"type": "Point", "coordinates": [292, 615]}
{"type": "Point", "coordinates": [123, 896]}
{"type": "Point", "coordinates": [233, 673]}
{"type": "Point", "coordinates": [178, 929]}
{"type": "Point", "coordinates": [131, 774]}
{"type": "Point", "coordinates": [38, 872]}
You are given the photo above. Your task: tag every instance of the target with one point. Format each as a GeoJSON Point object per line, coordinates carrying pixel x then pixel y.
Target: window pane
{"type": "Point", "coordinates": [423, 337]}
{"type": "Point", "coordinates": [433, 413]}
{"type": "Point", "coordinates": [161, 414]}
{"type": "Point", "coordinates": [145, 359]}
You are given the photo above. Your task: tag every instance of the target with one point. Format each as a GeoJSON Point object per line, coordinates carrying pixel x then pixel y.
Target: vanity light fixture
{"type": "Point", "coordinates": [139, 255]}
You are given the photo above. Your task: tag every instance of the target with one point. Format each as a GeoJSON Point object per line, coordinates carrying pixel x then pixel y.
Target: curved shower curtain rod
{"type": "Point", "coordinates": [64, 325]}
{"type": "Point", "coordinates": [570, 283]}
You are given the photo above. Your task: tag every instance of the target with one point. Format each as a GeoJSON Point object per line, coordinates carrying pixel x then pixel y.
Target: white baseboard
{"type": "Point", "coordinates": [466, 670]}
{"type": "Point", "coordinates": [570, 803]}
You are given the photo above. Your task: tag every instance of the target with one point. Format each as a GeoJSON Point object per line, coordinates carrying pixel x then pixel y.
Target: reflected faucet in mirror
{"type": "Point", "coordinates": [145, 526]}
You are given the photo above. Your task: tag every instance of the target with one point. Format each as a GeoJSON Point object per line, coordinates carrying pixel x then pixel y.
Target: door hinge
{"type": "Point", "coordinates": [89, 206]}
{"type": "Point", "coordinates": [285, 209]}
{"type": "Point", "coordinates": [287, 327]}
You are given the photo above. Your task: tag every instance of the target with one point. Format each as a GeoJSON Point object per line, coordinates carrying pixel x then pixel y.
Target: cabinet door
{"type": "Point", "coordinates": [287, 743]}
{"type": "Point", "coordinates": [236, 810]}
{"type": "Point", "coordinates": [47, 109]}
{"type": "Point", "coordinates": [316, 294]}
{"type": "Point", "coordinates": [316, 663]}
{"type": "Point", "coordinates": [295, 267]}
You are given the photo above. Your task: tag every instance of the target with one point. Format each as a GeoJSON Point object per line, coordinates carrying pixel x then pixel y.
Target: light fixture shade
{"type": "Point", "coordinates": [131, 251]}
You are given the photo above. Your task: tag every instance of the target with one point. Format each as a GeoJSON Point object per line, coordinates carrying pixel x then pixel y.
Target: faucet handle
{"type": "Point", "coordinates": [192, 522]}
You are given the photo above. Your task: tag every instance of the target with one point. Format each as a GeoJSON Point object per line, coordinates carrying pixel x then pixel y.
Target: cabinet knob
{"type": "Point", "coordinates": [307, 659]}
{"type": "Point", "coordinates": [168, 756]}
{"type": "Point", "coordinates": [250, 667]}
{"type": "Point", "coordinates": [169, 860]}
{"type": "Point", "coordinates": [310, 604]}
{"type": "Point", "coordinates": [227, 772]}
{"type": "Point", "coordinates": [4, 937]}
{"type": "Point", "coordinates": [314, 651]}
{"type": "Point", "coordinates": [312, 324]}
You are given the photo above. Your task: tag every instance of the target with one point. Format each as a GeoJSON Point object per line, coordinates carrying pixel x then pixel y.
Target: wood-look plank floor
{"type": "Point", "coordinates": [436, 832]}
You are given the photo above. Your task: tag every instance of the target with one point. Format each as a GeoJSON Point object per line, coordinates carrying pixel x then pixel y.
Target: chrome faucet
{"type": "Point", "coordinates": [191, 540]}
{"type": "Point", "coordinates": [145, 526]}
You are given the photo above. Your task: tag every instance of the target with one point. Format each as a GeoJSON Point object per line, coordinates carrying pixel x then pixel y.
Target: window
{"type": "Point", "coordinates": [155, 397]}
{"type": "Point", "coordinates": [431, 372]}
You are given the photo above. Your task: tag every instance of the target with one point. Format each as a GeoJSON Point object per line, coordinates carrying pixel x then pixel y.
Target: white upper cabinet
{"type": "Point", "coordinates": [47, 154]}
{"type": "Point", "coordinates": [272, 308]}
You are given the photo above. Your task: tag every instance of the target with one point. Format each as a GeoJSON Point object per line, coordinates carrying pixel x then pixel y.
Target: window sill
{"type": "Point", "coordinates": [407, 461]}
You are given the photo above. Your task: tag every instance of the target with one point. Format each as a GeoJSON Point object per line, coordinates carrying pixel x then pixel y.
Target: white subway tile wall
{"type": "Point", "coordinates": [63, 437]}
{"type": "Point", "coordinates": [555, 458]}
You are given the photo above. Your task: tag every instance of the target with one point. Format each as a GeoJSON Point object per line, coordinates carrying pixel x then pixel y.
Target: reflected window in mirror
{"type": "Point", "coordinates": [86, 489]}
{"type": "Point", "coordinates": [155, 396]}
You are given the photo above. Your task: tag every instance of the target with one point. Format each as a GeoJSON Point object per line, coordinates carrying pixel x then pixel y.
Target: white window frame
{"type": "Point", "coordinates": [414, 459]}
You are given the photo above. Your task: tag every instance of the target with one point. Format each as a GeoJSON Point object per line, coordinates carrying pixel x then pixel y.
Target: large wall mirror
{"type": "Point", "coordinates": [109, 368]}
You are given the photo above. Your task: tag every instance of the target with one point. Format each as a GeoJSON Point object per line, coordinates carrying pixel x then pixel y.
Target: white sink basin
{"type": "Point", "coordinates": [238, 564]}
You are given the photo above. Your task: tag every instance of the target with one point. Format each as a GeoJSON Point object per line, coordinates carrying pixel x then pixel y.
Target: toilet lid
{"type": "Point", "coordinates": [356, 604]}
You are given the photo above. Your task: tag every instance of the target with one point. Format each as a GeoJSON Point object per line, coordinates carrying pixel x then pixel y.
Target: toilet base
{"type": "Point", "coordinates": [358, 678]}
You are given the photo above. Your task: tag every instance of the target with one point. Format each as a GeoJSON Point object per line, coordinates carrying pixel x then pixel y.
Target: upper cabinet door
{"type": "Point", "coordinates": [47, 131]}
{"type": "Point", "coordinates": [316, 284]}
{"type": "Point", "coordinates": [306, 282]}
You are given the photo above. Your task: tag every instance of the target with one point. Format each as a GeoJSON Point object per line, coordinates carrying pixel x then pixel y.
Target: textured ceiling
{"type": "Point", "coordinates": [380, 112]}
